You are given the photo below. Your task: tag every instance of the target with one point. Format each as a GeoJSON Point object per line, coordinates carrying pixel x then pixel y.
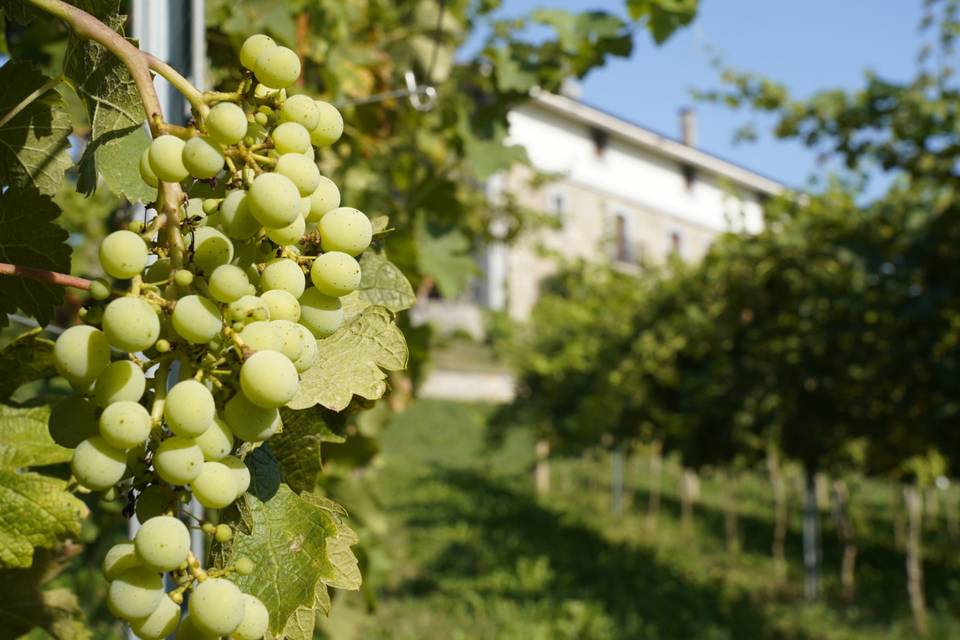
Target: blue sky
{"type": "Point", "coordinates": [808, 45]}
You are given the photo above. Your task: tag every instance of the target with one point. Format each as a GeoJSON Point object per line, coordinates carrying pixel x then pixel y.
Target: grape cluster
{"type": "Point", "coordinates": [215, 341]}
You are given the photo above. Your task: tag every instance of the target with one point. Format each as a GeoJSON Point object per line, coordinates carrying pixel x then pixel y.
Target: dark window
{"type": "Point", "coordinates": [620, 237]}
{"type": "Point", "coordinates": [689, 175]}
{"type": "Point", "coordinates": [676, 242]}
{"type": "Point", "coordinates": [600, 139]}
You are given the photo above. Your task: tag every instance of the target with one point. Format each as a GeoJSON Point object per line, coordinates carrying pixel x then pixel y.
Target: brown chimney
{"type": "Point", "coordinates": [688, 126]}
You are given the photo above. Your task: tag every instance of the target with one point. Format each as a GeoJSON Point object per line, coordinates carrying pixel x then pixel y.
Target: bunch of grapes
{"type": "Point", "coordinates": [214, 346]}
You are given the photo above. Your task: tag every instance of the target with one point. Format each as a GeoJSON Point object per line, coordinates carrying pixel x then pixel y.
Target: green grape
{"type": "Point", "coordinates": [335, 273]}
{"type": "Point", "coordinates": [282, 305]}
{"type": "Point", "coordinates": [261, 336]}
{"type": "Point", "coordinates": [211, 248]}
{"type": "Point", "coordinates": [273, 200]}
{"type": "Point", "coordinates": [160, 623]}
{"type": "Point", "coordinates": [189, 409]}
{"type": "Point", "coordinates": [135, 593]}
{"type": "Point", "coordinates": [255, 619]}
{"type": "Point", "coordinates": [330, 127]}
{"type": "Point", "coordinates": [159, 271]}
{"type": "Point", "coordinates": [235, 216]}
{"type": "Point", "coordinates": [228, 283]}
{"type": "Point", "coordinates": [283, 274]}
{"type": "Point", "coordinates": [244, 566]}
{"type": "Point", "coordinates": [202, 157]}
{"type": "Point", "coordinates": [214, 488]}
{"type": "Point", "coordinates": [216, 442]}
{"type": "Point", "coordinates": [178, 460]}
{"type": "Point", "coordinates": [183, 278]}
{"type": "Point", "coordinates": [320, 313]}
{"type": "Point", "coordinates": [155, 500]}
{"type": "Point", "coordinates": [188, 631]}
{"type": "Point", "coordinates": [261, 118]}
{"type": "Point", "coordinates": [196, 319]}
{"type": "Point", "coordinates": [166, 158]}
{"type": "Point", "coordinates": [162, 345]}
{"type": "Point", "coordinates": [290, 234]}
{"type": "Point", "coordinates": [119, 558]}
{"type": "Point", "coordinates": [216, 607]}
{"type": "Point", "coordinates": [256, 134]}
{"type": "Point", "coordinates": [224, 533]}
{"type": "Point", "coordinates": [250, 422]}
{"type": "Point", "coordinates": [290, 137]}
{"type": "Point", "coordinates": [146, 171]}
{"type": "Point", "coordinates": [122, 380]}
{"type": "Point", "coordinates": [211, 206]}
{"type": "Point", "coordinates": [301, 170]}
{"type": "Point", "coordinates": [248, 309]}
{"type": "Point", "coordinates": [325, 198]}
{"type": "Point", "coordinates": [125, 424]}
{"type": "Point", "coordinates": [99, 289]}
{"type": "Point", "coordinates": [268, 379]}
{"type": "Point", "coordinates": [226, 123]}
{"type": "Point", "coordinates": [96, 465]}
{"type": "Point", "coordinates": [73, 420]}
{"type": "Point", "coordinates": [123, 254]}
{"type": "Point", "coordinates": [292, 343]}
{"type": "Point", "coordinates": [162, 543]}
{"type": "Point", "coordinates": [131, 324]}
{"type": "Point", "coordinates": [253, 47]}
{"type": "Point", "coordinates": [345, 229]}
{"type": "Point", "coordinates": [241, 473]}
{"type": "Point", "coordinates": [277, 67]}
{"type": "Point", "coordinates": [310, 351]}
{"type": "Point", "coordinates": [302, 110]}
{"type": "Point", "coordinates": [208, 528]}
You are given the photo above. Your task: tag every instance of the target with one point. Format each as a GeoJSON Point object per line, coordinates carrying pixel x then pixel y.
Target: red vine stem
{"type": "Point", "coordinates": [41, 275]}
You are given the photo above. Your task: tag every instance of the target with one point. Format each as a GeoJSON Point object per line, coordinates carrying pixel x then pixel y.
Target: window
{"type": "Point", "coordinates": [621, 239]}
{"type": "Point", "coordinates": [676, 242]}
{"type": "Point", "coordinates": [689, 175]}
{"type": "Point", "coordinates": [600, 140]}
{"type": "Point", "coordinates": [557, 205]}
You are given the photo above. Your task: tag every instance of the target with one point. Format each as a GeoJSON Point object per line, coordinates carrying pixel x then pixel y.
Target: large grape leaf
{"type": "Point", "coordinates": [34, 144]}
{"type": "Point", "coordinates": [353, 361]}
{"type": "Point", "coordinates": [117, 134]}
{"type": "Point", "coordinates": [30, 238]}
{"type": "Point", "coordinates": [444, 256]}
{"type": "Point", "coordinates": [35, 510]}
{"type": "Point", "coordinates": [297, 446]}
{"type": "Point", "coordinates": [381, 283]}
{"type": "Point", "coordinates": [25, 604]}
{"type": "Point", "coordinates": [29, 357]}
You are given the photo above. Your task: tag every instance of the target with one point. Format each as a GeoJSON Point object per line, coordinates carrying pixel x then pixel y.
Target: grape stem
{"type": "Point", "coordinates": [181, 84]}
{"type": "Point", "coordinates": [160, 392]}
{"type": "Point", "coordinates": [42, 275]}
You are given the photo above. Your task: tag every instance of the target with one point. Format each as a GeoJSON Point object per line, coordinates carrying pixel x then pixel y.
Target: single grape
{"type": "Point", "coordinates": [188, 631]}
{"type": "Point", "coordinates": [301, 170]}
{"type": "Point", "coordinates": [228, 282]}
{"type": "Point", "coordinates": [335, 273]}
{"type": "Point", "coordinates": [290, 137]}
{"type": "Point", "coordinates": [197, 319]}
{"type": "Point", "coordinates": [183, 278]}
{"type": "Point", "coordinates": [292, 343]}
{"type": "Point", "coordinates": [224, 533]}
{"type": "Point", "coordinates": [248, 309]}
{"type": "Point", "coordinates": [202, 157]}
{"type": "Point", "coordinates": [216, 607]}
{"type": "Point", "coordinates": [255, 619]}
{"type": "Point", "coordinates": [162, 345]}
{"type": "Point", "coordinates": [122, 380]}
{"type": "Point", "coordinates": [290, 234]}
{"type": "Point", "coordinates": [178, 460]}
{"type": "Point", "coordinates": [125, 424]}
{"type": "Point", "coordinates": [160, 623]}
{"type": "Point", "coordinates": [261, 336]}
{"type": "Point", "coordinates": [256, 133]}
{"type": "Point", "coordinates": [241, 473]}
{"type": "Point", "coordinates": [162, 543]}
{"type": "Point", "coordinates": [189, 409]}
{"type": "Point", "coordinates": [302, 110]}
{"type": "Point", "coordinates": [277, 67]}
{"type": "Point", "coordinates": [235, 216]}
{"type": "Point", "coordinates": [131, 324]}
{"type": "Point", "coordinates": [217, 441]}
{"type": "Point", "coordinates": [250, 422]}
{"type": "Point", "coordinates": [253, 47]}
{"type": "Point", "coordinates": [268, 379]}
{"type": "Point", "coordinates": [211, 206]}
{"type": "Point", "coordinates": [155, 500]}
{"type": "Point", "coordinates": [345, 229]}
{"type": "Point", "coordinates": [96, 465]}
{"type": "Point", "coordinates": [273, 200]}
{"type": "Point", "coordinates": [283, 274]}
{"type": "Point", "coordinates": [123, 254]}
{"type": "Point", "coordinates": [282, 304]}
{"type": "Point", "coordinates": [320, 313]}
{"type": "Point", "coordinates": [325, 198]}
{"type": "Point", "coordinates": [159, 271]}
{"type": "Point", "coordinates": [310, 351]}
{"type": "Point", "coordinates": [73, 420]}
{"type": "Point", "coordinates": [119, 558]}
{"type": "Point", "coordinates": [210, 247]}
{"type": "Point", "coordinates": [226, 123]}
{"type": "Point", "coordinates": [100, 289]}
{"type": "Point", "coordinates": [166, 158]}
{"type": "Point", "coordinates": [146, 171]}
{"type": "Point", "coordinates": [330, 127]}
{"type": "Point", "coordinates": [244, 566]}
{"type": "Point", "coordinates": [135, 593]}
{"type": "Point", "coordinates": [214, 488]}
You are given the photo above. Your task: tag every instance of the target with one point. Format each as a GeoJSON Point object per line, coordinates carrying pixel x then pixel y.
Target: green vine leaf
{"type": "Point", "coordinates": [30, 238]}
{"type": "Point", "coordinates": [381, 283]}
{"type": "Point", "coordinates": [353, 361]}
{"type": "Point", "coordinates": [29, 357]}
{"type": "Point", "coordinates": [298, 446]}
{"type": "Point", "coordinates": [117, 135]}
{"type": "Point", "coordinates": [38, 510]}
{"type": "Point", "coordinates": [663, 16]}
{"type": "Point", "coordinates": [25, 604]}
{"type": "Point", "coordinates": [34, 144]}
{"type": "Point", "coordinates": [445, 256]}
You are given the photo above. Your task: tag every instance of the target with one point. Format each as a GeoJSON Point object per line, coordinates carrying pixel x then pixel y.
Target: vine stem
{"type": "Point", "coordinates": [42, 275]}
{"type": "Point", "coordinates": [191, 93]}
{"type": "Point", "coordinates": [23, 104]}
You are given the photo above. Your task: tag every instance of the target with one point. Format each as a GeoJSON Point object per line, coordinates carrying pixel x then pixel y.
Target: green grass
{"type": "Point", "coordinates": [471, 553]}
